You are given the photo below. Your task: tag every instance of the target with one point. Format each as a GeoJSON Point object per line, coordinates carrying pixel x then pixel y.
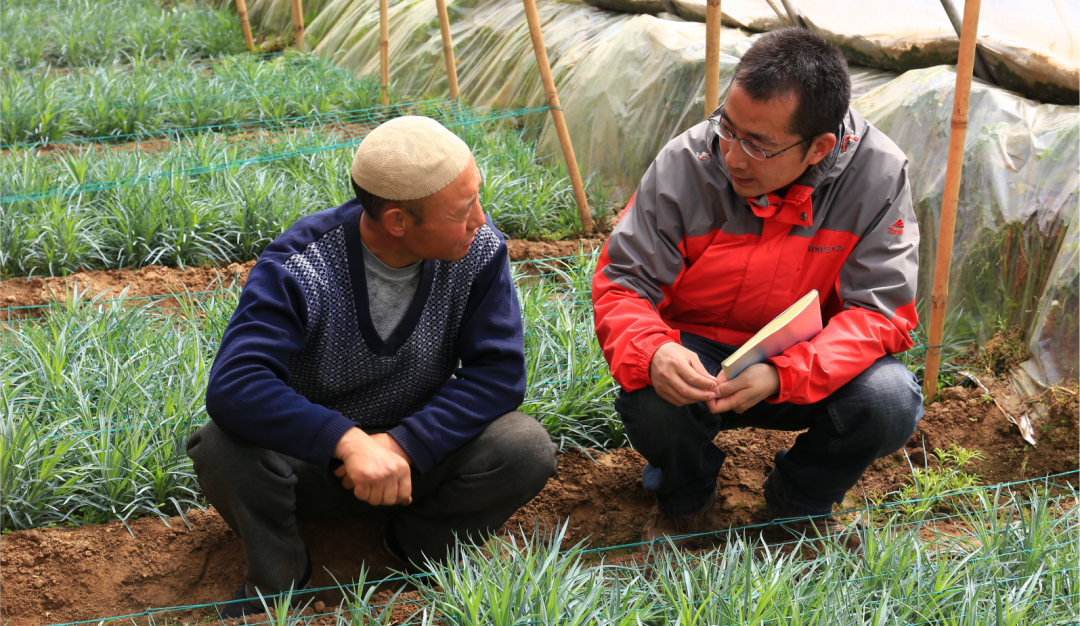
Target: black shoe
{"type": "Point", "coordinates": [811, 527]}
{"type": "Point", "coordinates": [241, 604]}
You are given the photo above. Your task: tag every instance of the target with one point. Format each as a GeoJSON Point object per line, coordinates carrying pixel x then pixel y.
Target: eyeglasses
{"type": "Point", "coordinates": [750, 149]}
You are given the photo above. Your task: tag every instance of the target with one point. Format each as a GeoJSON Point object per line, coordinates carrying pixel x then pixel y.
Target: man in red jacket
{"type": "Point", "coordinates": [783, 190]}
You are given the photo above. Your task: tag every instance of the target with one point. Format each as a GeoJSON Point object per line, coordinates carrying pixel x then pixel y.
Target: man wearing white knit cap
{"type": "Point", "coordinates": [374, 364]}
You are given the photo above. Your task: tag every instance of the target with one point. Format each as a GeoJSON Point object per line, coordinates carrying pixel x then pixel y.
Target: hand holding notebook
{"type": "Point", "coordinates": [800, 322]}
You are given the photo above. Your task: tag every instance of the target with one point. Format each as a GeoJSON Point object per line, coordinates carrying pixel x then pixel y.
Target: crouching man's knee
{"type": "Point", "coordinates": [228, 467]}
{"type": "Point", "coordinates": [527, 456]}
{"type": "Point", "coordinates": [889, 398]}
{"type": "Point", "coordinates": [207, 448]}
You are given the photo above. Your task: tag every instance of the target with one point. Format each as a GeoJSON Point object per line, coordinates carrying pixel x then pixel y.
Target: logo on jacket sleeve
{"type": "Point", "coordinates": [897, 228]}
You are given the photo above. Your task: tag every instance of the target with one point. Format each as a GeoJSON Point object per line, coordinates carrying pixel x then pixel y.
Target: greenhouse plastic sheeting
{"type": "Point", "coordinates": [495, 61]}
{"type": "Point", "coordinates": [753, 15]}
{"type": "Point", "coordinates": [1015, 226]}
{"type": "Point", "coordinates": [1031, 47]}
{"type": "Point", "coordinates": [1054, 339]}
{"type": "Point", "coordinates": [276, 15]}
{"type": "Point", "coordinates": [620, 120]}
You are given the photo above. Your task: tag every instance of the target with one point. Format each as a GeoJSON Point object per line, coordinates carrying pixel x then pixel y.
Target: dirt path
{"type": "Point", "coordinates": [60, 575]}
{"type": "Point", "coordinates": [156, 280]}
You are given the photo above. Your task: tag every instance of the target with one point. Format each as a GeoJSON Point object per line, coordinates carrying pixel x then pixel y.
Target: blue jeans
{"type": "Point", "coordinates": [870, 417]}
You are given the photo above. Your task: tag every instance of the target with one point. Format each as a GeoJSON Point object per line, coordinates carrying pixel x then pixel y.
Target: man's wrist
{"type": "Point", "coordinates": [348, 440]}
{"type": "Point", "coordinates": [387, 441]}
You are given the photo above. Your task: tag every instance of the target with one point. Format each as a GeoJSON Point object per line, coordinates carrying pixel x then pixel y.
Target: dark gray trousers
{"type": "Point", "coordinates": [262, 494]}
{"type": "Point", "coordinates": [870, 417]}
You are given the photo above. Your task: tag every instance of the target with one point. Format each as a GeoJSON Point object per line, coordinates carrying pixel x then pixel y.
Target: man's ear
{"type": "Point", "coordinates": [821, 146]}
{"type": "Point", "coordinates": [393, 220]}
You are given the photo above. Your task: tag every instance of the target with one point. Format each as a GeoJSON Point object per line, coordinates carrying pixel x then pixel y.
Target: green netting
{"type": "Point", "coordinates": [1002, 554]}
{"type": "Point", "coordinates": [192, 156]}
{"type": "Point", "coordinates": [215, 198]}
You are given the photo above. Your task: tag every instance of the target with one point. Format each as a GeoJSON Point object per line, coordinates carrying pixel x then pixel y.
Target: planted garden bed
{"type": "Point", "coordinates": [129, 101]}
{"type": "Point", "coordinates": [72, 33]}
{"type": "Point", "coordinates": [215, 200]}
{"type": "Point", "coordinates": [153, 147]}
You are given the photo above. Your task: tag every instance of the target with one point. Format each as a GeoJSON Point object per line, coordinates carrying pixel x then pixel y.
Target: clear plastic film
{"type": "Point", "coordinates": [620, 120]}
{"type": "Point", "coordinates": [495, 61]}
{"type": "Point", "coordinates": [1031, 47]}
{"type": "Point", "coordinates": [753, 15]}
{"type": "Point", "coordinates": [1054, 339]}
{"type": "Point", "coordinates": [1017, 205]}
{"type": "Point", "coordinates": [276, 15]}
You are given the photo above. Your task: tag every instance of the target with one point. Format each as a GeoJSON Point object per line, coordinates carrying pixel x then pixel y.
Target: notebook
{"type": "Point", "coordinates": [800, 322]}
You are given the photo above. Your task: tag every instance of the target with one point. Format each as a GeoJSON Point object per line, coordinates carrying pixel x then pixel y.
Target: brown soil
{"type": "Point", "coordinates": [156, 280]}
{"type": "Point", "coordinates": [59, 575]}
{"type": "Point", "coordinates": [146, 282]}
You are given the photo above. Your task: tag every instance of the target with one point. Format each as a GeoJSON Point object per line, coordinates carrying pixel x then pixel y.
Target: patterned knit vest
{"type": "Point", "coordinates": [344, 365]}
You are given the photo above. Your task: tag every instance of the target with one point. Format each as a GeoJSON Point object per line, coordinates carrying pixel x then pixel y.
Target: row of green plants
{"type": "Point", "coordinates": [212, 200]}
{"type": "Point", "coordinates": [1010, 561]}
{"type": "Point", "coordinates": [1002, 557]}
{"type": "Point", "coordinates": [78, 33]}
{"type": "Point", "coordinates": [100, 396]}
{"type": "Point", "coordinates": [126, 101]}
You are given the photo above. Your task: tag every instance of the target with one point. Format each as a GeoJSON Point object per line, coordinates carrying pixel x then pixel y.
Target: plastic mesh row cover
{"type": "Point", "coordinates": [1014, 258]}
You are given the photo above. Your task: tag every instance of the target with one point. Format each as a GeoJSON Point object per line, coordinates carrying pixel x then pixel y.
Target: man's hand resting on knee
{"type": "Point", "coordinates": [753, 385]}
{"type": "Point", "coordinates": [375, 467]}
{"type": "Point", "coordinates": [679, 377]}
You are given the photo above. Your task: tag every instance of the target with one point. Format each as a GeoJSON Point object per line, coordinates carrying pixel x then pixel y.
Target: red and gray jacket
{"type": "Point", "coordinates": [690, 254]}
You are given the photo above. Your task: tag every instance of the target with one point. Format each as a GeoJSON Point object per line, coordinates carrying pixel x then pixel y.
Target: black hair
{"type": "Point", "coordinates": [795, 61]}
{"type": "Point", "coordinates": [374, 205]}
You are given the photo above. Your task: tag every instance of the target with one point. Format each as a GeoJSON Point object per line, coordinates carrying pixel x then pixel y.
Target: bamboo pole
{"type": "Point", "coordinates": [298, 23]}
{"type": "Point", "coordinates": [533, 18]}
{"type": "Point", "coordinates": [241, 9]}
{"type": "Point", "coordinates": [947, 224]}
{"type": "Point", "coordinates": [447, 48]}
{"type": "Point", "coordinates": [712, 56]}
{"type": "Point", "coordinates": [384, 52]}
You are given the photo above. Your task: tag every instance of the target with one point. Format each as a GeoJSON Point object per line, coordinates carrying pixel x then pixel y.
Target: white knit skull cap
{"type": "Point", "coordinates": [409, 158]}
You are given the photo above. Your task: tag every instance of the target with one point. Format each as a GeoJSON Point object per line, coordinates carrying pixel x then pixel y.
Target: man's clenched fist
{"type": "Point", "coordinates": [375, 467]}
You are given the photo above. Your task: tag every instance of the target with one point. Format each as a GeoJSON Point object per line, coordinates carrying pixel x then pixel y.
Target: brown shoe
{"type": "Point", "coordinates": [664, 528]}
{"type": "Point", "coordinates": [813, 528]}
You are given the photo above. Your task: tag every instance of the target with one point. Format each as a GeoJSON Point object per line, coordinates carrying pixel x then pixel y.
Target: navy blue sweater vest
{"type": "Point", "coordinates": [301, 363]}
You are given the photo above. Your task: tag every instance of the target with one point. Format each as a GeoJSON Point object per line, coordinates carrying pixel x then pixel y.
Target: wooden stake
{"type": "Point", "coordinates": [447, 48]}
{"type": "Point", "coordinates": [947, 224]}
{"type": "Point", "coordinates": [712, 56]}
{"type": "Point", "coordinates": [533, 18]}
{"type": "Point", "coordinates": [298, 23]}
{"type": "Point", "coordinates": [241, 9]}
{"type": "Point", "coordinates": [384, 52]}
